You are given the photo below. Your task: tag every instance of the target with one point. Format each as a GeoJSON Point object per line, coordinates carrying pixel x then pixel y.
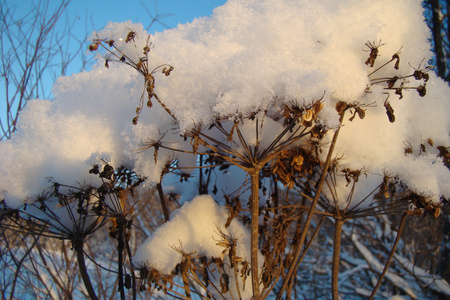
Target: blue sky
{"type": "Point", "coordinates": [92, 15]}
{"type": "Point", "coordinates": [173, 12]}
{"type": "Point", "coordinates": [99, 12]}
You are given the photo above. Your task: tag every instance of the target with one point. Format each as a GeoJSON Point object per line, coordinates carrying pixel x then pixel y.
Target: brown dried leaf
{"type": "Point", "coordinates": [361, 112]}
{"type": "Point", "coordinates": [317, 107]}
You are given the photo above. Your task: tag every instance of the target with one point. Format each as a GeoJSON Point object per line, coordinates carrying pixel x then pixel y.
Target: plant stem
{"type": "Point", "coordinates": [254, 174]}
{"type": "Point", "coordinates": [187, 290]}
{"type": "Point", "coordinates": [120, 249]}
{"type": "Point", "coordinates": [336, 257]}
{"type": "Point", "coordinates": [78, 246]}
{"type": "Point", "coordinates": [19, 265]}
{"type": "Point", "coordinates": [133, 276]}
{"type": "Point", "coordinates": [386, 267]}
{"type": "Point", "coordinates": [163, 201]}
{"type": "Point", "coordinates": [311, 210]}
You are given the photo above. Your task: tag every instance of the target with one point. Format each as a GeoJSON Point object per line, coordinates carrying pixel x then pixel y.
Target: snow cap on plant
{"type": "Point", "coordinates": [247, 56]}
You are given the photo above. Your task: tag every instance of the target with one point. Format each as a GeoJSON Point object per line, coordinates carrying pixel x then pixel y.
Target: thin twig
{"type": "Point", "coordinates": [394, 247]}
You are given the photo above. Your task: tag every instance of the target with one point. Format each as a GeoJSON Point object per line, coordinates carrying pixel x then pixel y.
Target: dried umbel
{"type": "Point", "coordinates": [396, 83]}
{"type": "Point", "coordinates": [293, 157]}
{"type": "Point", "coordinates": [293, 163]}
{"type": "Point", "coordinates": [423, 204]}
{"type": "Point", "coordinates": [141, 65]}
{"type": "Point", "coordinates": [306, 115]}
{"type": "Point", "coordinates": [355, 109]}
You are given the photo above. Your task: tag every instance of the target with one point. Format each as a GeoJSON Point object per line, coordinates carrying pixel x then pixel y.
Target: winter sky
{"type": "Point", "coordinates": [90, 15]}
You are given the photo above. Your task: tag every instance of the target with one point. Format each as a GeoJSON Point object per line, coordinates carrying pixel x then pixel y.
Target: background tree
{"type": "Point", "coordinates": [34, 52]}
{"type": "Point", "coordinates": [438, 19]}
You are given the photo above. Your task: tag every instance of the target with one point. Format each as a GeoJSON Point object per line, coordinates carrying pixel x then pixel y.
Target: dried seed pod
{"type": "Point", "coordinates": [361, 113]}
{"type": "Point", "coordinates": [317, 107]}
{"type": "Point", "coordinates": [391, 82]}
{"type": "Point", "coordinates": [418, 74]}
{"type": "Point", "coordinates": [224, 283]}
{"type": "Point", "coordinates": [318, 132]}
{"type": "Point", "coordinates": [421, 89]}
{"type": "Point", "coordinates": [308, 115]}
{"type": "Point", "coordinates": [373, 52]}
{"type": "Point", "coordinates": [390, 112]}
{"type": "Point", "coordinates": [397, 63]}
{"type": "Point", "coordinates": [341, 106]}
{"type": "Point", "coordinates": [422, 148]}
{"type": "Point", "coordinates": [437, 211]}
{"type": "Point", "coordinates": [399, 92]}
{"type": "Point", "coordinates": [166, 70]}
{"type": "Point", "coordinates": [107, 172]}
{"type": "Point", "coordinates": [408, 148]}
{"type": "Point", "coordinates": [130, 36]}
{"type": "Point", "coordinates": [297, 162]}
{"type": "Point", "coordinates": [127, 282]}
{"type": "Point", "coordinates": [139, 65]}
{"type": "Point", "coordinates": [93, 46]}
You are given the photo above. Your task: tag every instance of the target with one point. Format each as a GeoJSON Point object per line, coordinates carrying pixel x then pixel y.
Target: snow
{"type": "Point", "coordinates": [248, 55]}
{"type": "Point", "coordinates": [195, 228]}
{"type": "Point", "coordinates": [378, 267]}
{"type": "Point", "coordinates": [437, 284]}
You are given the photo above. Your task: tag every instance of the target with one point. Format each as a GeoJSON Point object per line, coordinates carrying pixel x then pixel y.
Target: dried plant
{"type": "Point", "coordinates": [291, 158]}
{"type": "Point", "coordinates": [295, 170]}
